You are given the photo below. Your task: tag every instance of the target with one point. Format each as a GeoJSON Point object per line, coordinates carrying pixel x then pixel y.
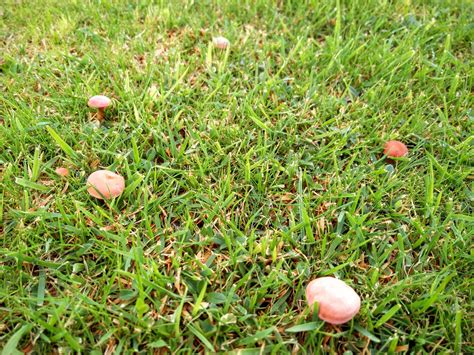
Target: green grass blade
{"type": "Point", "coordinates": [305, 327]}
{"type": "Point", "coordinates": [62, 144]}
{"type": "Point", "coordinates": [390, 313]}
{"type": "Point", "coordinates": [31, 185]}
{"type": "Point", "coordinates": [12, 343]}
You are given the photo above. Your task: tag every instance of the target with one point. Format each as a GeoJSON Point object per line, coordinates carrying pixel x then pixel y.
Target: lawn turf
{"type": "Point", "coordinates": [249, 172]}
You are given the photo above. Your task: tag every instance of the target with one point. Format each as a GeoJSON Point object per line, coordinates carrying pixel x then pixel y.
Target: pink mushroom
{"type": "Point", "coordinates": [104, 184]}
{"type": "Point", "coordinates": [62, 171]}
{"type": "Point", "coordinates": [338, 302]}
{"type": "Point", "coordinates": [100, 102]}
{"type": "Point", "coordinates": [395, 149]}
{"type": "Point", "coordinates": [220, 42]}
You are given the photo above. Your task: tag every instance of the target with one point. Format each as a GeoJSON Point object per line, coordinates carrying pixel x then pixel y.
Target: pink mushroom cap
{"type": "Point", "coordinates": [338, 302]}
{"type": "Point", "coordinates": [220, 42]}
{"type": "Point", "coordinates": [99, 101]}
{"type": "Point", "coordinates": [395, 149]}
{"type": "Point", "coordinates": [105, 184]}
{"type": "Point", "coordinates": [62, 171]}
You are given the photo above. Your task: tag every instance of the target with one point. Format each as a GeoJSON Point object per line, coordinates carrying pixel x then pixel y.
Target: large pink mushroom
{"type": "Point", "coordinates": [338, 302]}
{"type": "Point", "coordinates": [220, 42]}
{"type": "Point", "coordinates": [100, 102]}
{"type": "Point", "coordinates": [104, 184]}
{"type": "Point", "coordinates": [395, 149]}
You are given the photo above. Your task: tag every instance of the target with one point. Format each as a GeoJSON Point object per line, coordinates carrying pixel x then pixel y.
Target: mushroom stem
{"type": "Point", "coordinates": [100, 114]}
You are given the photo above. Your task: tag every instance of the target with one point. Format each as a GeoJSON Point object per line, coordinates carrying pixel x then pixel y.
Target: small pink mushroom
{"type": "Point", "coordinates": [338, 302]}
{"type": "Point", "coordinates": [62, 171]}
{"type": "Point", "coordinates": [220, 42]}
{"type": "Point", "coordinates": [104, 184]}
{"type": "Point", "coordinates": [395, 149]}
{"type": "Point", "coordinates": [100, 102]}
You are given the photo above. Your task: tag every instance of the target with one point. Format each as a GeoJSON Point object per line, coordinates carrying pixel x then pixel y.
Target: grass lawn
{"type": "Point", "coordinates": [249, 172]}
